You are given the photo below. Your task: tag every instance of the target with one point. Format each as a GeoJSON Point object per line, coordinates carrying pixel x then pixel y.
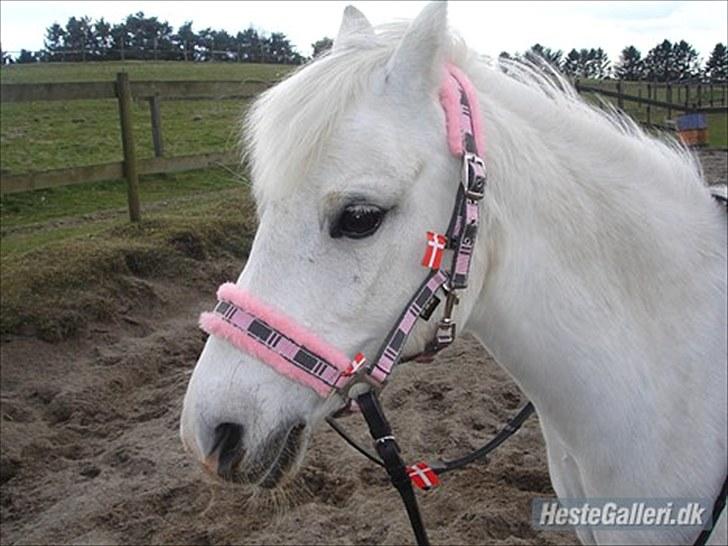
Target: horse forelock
{"type": "Point", "coordinates": [288, 127]}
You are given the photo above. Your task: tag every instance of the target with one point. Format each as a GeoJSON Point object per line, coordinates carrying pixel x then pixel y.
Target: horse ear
{"type": "Point", "coordinates": [417, 61]}
{"type": "Point", "coordinates": [353, 23]}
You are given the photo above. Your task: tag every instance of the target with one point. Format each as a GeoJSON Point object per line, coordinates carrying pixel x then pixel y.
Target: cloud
{"type": "Point", "coordinates": [630, 11]}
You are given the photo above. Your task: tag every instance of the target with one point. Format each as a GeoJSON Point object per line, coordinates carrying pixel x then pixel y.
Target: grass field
{"type": "Point", "coordinates": [51, 135]}
{"type": "Point", "coordinates": [139, 70]}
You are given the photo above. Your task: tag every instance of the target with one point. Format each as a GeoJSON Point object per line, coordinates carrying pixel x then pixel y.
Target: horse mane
{"type": "Point", "coordinates": [286, 130]}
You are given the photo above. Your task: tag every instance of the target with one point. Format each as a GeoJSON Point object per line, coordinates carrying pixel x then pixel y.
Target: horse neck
{"type": "Point", "coordinates": [605, 296]}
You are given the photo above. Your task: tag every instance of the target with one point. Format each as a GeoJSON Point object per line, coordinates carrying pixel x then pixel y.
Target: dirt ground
{"type": "Point", "coordinates": [90, 450]}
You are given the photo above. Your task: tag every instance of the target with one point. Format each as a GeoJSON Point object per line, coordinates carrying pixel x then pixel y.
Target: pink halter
{"type": "Point", "coordinates": [266, 333]}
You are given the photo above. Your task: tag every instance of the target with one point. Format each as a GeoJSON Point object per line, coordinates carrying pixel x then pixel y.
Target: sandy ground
{"type": "Point", "coordinates": [90, 451]}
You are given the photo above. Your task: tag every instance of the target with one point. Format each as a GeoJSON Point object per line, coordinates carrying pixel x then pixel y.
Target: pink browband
{"type": "Point", "coordinates": [277, 340]}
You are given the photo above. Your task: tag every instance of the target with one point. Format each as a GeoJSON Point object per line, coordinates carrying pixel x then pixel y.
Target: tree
{"type": "Point", "coordinates": [586, 63]}
{"type": "Point", "coordinates": [630, 65]}
{"type": "Point", "coordinates": [119, 41]}
{"type": "Point", "coordinates": [322, 45]}
{"type": "Point", "coordinates": [26, 57]}
{"type": "Point", "coordinates": [687, 63]}
{"type": "Point", "coordinates": [225, 45]}
{"type": "Point", "coordinates": [537, 53]}
{"type": "Point", "coordinates": [79, 37]}
{"type": "Point", "coordinates": [54, 42]}
{"type": "Point", "coordinates": [147, 36]}
{"type": "Point", "coordinates": [572, 64]}
{"type": "Point", "coordinates": [667, 62]}
{"type": "Point", "coordinates": [598, 64]}
{"type": "Point", "coordinates": [185, 40]}
{"type": "Point", "coordinates": [249, 45]}
{"type": "Point", "coordinates": [142, 37]}
{"type": "Point", "coordinates": [716, 68]}
{"type": "Point", "coordinates": [281, 50]}
{"type": "Point", "coordinates": [205, 44]}
{"type": "Point", "coordinates": [102, 40]}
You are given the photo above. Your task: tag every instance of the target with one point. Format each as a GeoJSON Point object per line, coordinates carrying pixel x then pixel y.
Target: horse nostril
{"type": "Point", "coordinates": [229, 447]}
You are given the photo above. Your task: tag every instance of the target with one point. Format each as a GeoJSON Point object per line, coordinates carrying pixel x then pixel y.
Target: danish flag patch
{"type": "Point", "coordinates": [423, 476]}
{"type": "Point", "coordinates": [357, 363]}
{"type": "Point", "coordinates": [435, 250]}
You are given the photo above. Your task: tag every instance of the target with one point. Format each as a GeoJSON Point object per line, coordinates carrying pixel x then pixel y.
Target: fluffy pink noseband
{"type": "Point", "coordinates": [275, 339]}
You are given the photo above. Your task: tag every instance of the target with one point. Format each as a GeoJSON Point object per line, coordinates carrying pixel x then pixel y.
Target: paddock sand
{"type": "Point", "coordinates": [91, 454]}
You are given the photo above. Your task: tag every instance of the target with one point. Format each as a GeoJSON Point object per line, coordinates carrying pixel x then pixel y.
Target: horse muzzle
{"type": "Point", "coordinates": [266, 465]}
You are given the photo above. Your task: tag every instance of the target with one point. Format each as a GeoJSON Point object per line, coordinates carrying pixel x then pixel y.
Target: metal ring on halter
{"type": "Point", "coordinates": [360, 377]}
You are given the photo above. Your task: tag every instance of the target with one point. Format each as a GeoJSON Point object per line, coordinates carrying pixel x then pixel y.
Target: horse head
{"type": "Point", "coordinates": [350, 168]}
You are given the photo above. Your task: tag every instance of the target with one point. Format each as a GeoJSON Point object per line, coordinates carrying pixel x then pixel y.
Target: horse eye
{"type": "Point", "coordinates": [357, 221]}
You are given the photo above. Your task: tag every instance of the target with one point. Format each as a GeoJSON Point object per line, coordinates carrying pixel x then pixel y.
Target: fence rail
{"type": "Point", "coordinates": [26, 92]}
{"type": "Point", "coordinates": [112, 171]}
{"type": "Point", "coordinates": [621, 97]}
{"type": "Point", "coordinates": [125, 92]}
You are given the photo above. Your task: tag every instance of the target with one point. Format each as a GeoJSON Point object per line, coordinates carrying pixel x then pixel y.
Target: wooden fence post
{"type": "Point", "coordinates": [156, 114]}
{"type": "Point", "coordinates": [649, 106]}
{"type": "Point", "coordinates": [123, 92]}
{"type": "Point", "coordinates": [620, 98]}
{"type": "Point", "coordinates": [668, 96]}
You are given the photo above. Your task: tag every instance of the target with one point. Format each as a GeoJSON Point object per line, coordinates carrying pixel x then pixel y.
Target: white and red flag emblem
{"type": "Point", "coordinates": [435, 250]}
{"type": "Point", "coordinates": [357, 363]}
{"type": "Point", "coordinates": [423, 476]}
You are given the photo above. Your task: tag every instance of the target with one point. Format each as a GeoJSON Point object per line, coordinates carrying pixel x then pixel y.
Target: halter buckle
{"type": "Point", "coordinates": [445, 333]}
{"type": "Point", "coordinates": [446, 327]}
{"type": "Point", "coordinates": [474, 176]}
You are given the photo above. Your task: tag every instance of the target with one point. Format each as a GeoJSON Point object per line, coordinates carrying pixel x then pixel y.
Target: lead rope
{"type": "Point", "coordinates": [388, 450]}
{"type": "Point", "coordinates": [399, 473]}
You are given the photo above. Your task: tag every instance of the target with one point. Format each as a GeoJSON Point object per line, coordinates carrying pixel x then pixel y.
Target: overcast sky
{"type": "Point", "coordinates": [489, 27]}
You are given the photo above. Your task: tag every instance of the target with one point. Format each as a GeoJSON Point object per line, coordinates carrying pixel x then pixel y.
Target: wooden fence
{"type": "Point", "coordinates": [706, 98]}
{"type": "Point", "coordinates": [125, 92]}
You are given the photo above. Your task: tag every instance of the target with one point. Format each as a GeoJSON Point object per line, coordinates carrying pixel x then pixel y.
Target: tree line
{"type": "Point", "coordinates": [666, 62]}
{"type": "Point", "coordinates": [147, 38]}
{"type": "Point", "coordinates": [140, 37]}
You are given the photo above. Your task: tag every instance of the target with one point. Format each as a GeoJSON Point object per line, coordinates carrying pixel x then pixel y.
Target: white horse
{"type": "Point", "coordinates": [598, 282]}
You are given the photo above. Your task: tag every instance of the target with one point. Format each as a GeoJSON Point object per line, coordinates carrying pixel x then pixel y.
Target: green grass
{"type": "Point", "coordinates": [139, 70]}
{"type": "Point", "coordinates": [37, 136]}
{"type": "Point", "coordinates": [21, 209]}
{"type": "Point", "coordinates": [48, 135]}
